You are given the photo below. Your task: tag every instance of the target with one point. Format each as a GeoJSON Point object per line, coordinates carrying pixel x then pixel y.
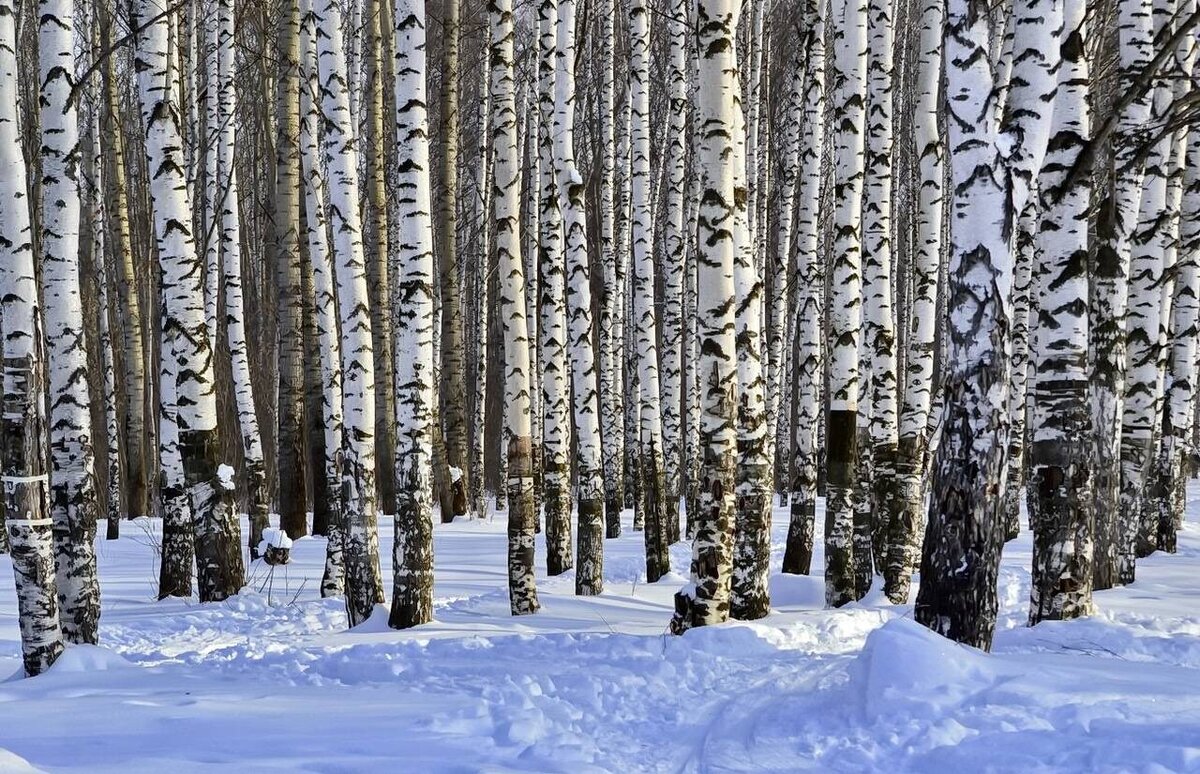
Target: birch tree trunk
{"type": "Point", "coordinates": [325, 310]}
{"type": "Point", "coordinates": [705, 600]}
{"type": "Point", "coordinates": [482, 203]}
{"type": "Point", "coordinates": [73, 498]}
{"type": "Point", "coordinates": [810, 280]}
{"type": "Point", "coordinates": [913, 443]}
{"type": "Point", "coordinates": [675, 178]}
{"type": "Point", "coordinates": [991, 167]}
{"type": "Point", "coordinates": [231, 261]}
{"type": "Point", "coordinates": [290, 435]}
{"type": "Point", "coordinates": [454, 502]}
{"type": "Point", "coordinates": [556, 391]}
{"type": "Point", "coordinates": [1109, 299]}
{"type": "Point", "coordinates": [522, 519]}
{"type": "Point", "coordinates": [1026, 255]}
{"type": "Point", "coordinates": [209, 486]}
{"type": "Point", "coordinates": [845, 304]}
{"type": "Point", "coordinates": [364, 583]}
{"type": "Point", "coordinates": [412, 584]}
{"type": "Point", "coordinates": [650, 441]}
{"type": "Point", "coordinates": [27, 508]}
{"type": "Point", "coordinates": [1060, 498]}
{"type": "Point", "coordinates": [612, 429]}
{"type": "Point", "coordinates": [589, 578]}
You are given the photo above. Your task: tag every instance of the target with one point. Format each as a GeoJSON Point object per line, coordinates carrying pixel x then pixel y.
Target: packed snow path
{"type": "Point", "coordinates": [272, 681]}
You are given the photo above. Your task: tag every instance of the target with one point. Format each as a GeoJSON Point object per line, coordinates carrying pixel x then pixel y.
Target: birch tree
{"type": "Point", "coordinates": [1059, 492]}
{"type": "Point", "coordinates": [845, 304]}
{"type": "Point", "coordinates": [506, 184]}
{"type": "Point", "coordinates": [219, 568]}
{"type": "Point", "coordinates": [412, 585]}
{"type": "Point", "coordinates": [364, 583]}
{"type": "Point", "coordinates": [992, 164]}
{"type": "Point", "coordinates": [27, 509]}
{"type": "Point", "coordinates": [650, 439]}
{"type": "Point", "coordinates": [810, 279]}
{"type": "Point", "coordinates": [589, 578]}
{"type": "Point", "coordinates": [705, 600]}
{"type": "Point", "coordinates": [73, 498]}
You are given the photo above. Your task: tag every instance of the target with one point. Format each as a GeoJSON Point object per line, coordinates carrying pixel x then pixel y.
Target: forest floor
{"type": "Point", "coordinates": [272, 681]}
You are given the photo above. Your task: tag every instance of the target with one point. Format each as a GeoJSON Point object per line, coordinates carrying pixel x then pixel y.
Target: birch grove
{"type": "Point", "coordinates": [698, 269]}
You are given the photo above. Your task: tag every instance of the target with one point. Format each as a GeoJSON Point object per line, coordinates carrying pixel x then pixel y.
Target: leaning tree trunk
{"type": "Point", "coordinates": [364, 583]}
{"type": "Point", "coordinates": [1060, 498]}
{"type": "Point", "coordinates": [231, 262]}
{"type": "Point", "coordinates": [845, 307]}
{"type": "Point", "coordinates": [650, 440]}
{"type": "Point", "coordinates": [26, 497]}
{"type": "Point", "coordinates": [706, 599]}
{"type": "Point", "coordinates": [589, 577]}
{"type": "Point", "coordinates": [809, 276]}
{"type": "Point", "coordinates": [506, 187]}
{"type": "Point", "coordinates": [73, 497]}
{"type": "Point", "coordinates": [208, 482]}
{"type": "Point", "coordinates": [991, 166]}
{"type": "Point", "coordinates": [325, 313]}
{"type": "Point", "coordinates": [412, 583]}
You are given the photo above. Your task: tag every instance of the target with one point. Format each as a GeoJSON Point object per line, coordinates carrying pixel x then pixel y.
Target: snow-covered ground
{"type": "Point", "coordinates": [272, 681]}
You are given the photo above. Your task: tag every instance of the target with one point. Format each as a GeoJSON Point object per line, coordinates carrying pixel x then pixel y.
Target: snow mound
{"type": "Point", "coordinates": [11, 763]}
{"type": "Point", "coordinates": [789, 590]}
{"type": "Point", "coordinates": [225, 476]}
{"type": "Point", "coordinates": [77, 659]}
{"type": "Point", "coordinates": [273, 538]}
{"type": "Point", "coordinates": [905, 668]}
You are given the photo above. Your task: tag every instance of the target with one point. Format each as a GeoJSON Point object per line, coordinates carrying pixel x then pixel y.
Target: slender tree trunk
{"type": "Point", "coordinates": [907, 515]}
{"type": "Point", "coordinates": [522, 588]}
{"type": "Point", "coordinates": [325, 314]}
{"type": "Point", "coordinates": [412, 584]}
{"type": "Point", "coordinates": [73, 498]}
{"type": "Point", "coordinates": [706, 599]}
{"type": "Point", "coordinates": [136, 405]}
{"type": "Point", "coordinates": [27, 507]}
{"type": "Point", "coordinates": [1025, 256]}
{"type": "Point", "coordinates": [209, 485]}
{"type": "Point", "coordinates": [454, 501]}
{"type": "Point", "coordinates": [650, 441]}
{"type": "Point", "coordinates": [1060, 499]}
{"type": "Point", "coordinates": [293, 504]}
{"type": "Point", "coordinates": [810, 278]}
{"type": "Point", "coordinates": [1109, 298]}
{"type": "Point", "coordinates": [364, 583]}
{"type": "Point", "coordinates": [845, 308]}
{"type": "Point", "coordinates": [589, 578]}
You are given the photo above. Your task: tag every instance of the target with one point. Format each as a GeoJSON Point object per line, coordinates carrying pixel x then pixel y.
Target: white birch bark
{"type": "Point", "coordinates": [364, 583]}
{"type": "Point", "coordinates": [27, 509]}
{"type": "Point", "coordinates": [73, 498]}
{"type": "Point", "coordinates": [809, 277]}
{"type": "Point", "coordinates": [589, 577]}
{"type": "Point", "coordinates": [325, 308]}
{"type": "Point", "coordinates": [845, 303]}
{"type": "Point", "coordinates": [506, 186]}
{"type": "Point", "coordinates": [992, 165]}
{"type": "Point", "coordinates": [650, 438]}
{"type": "Point", "coordinates": [220, 570]}
{"type": "Point", "coordinates": [705, 600]}
{"type": "Point", "coordinates": [412, 584]}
